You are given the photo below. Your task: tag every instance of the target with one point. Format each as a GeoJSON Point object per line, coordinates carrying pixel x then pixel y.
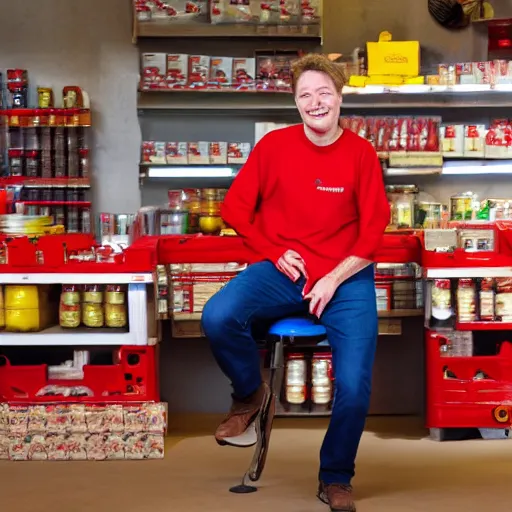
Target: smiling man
{"type": "Point", "coordinates": [311, 205]}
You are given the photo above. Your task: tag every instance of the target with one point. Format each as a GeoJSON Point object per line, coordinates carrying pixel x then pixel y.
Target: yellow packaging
{"type": "Point", "coordinates": [27, 320]}
{"type": "Point", "coordinates": [387, 57]}
{"type": "Point", "coordinates": [21, 296]}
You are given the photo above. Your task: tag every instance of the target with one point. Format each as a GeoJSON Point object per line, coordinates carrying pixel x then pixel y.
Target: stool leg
{"type": "Point", "coordinates": [264, 423]}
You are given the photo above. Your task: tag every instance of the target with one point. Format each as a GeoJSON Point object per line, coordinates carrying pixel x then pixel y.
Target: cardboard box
{"type": "Point", "coordinates": [387, 57]}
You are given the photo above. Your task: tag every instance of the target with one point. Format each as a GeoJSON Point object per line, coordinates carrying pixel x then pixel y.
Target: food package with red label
{"type": "Point", "coordinates": [114, 447]}
{"type": "Point", "coordinates": [452, 140]}
{"type": "Point", "coordinates": [238, 152]}
{"type": "Point", "coordinates": [37, 449]}
{"type": "Point", "coordinates": [503, 71]}
{"type": "Point", "coordinates": [504, 299]}
{"type": "Point", "coordinates": [218, 153]}
{"type": "Point", "coordinates": [310, 11]}
{"type": "Point", "coordinates": [171, 10]}
{"type": "Point", "coordinates": [221, 72]}
{"type": "Point", "coordinates": [498, 139]}
{"type": "Point", "coordinates": [199, 153]}
{"type": "Point", "coordinates": [244, 73]}
{"type": "Point", "coordinates": [154, 71]}
{"type": "Point", "coordinates": [153, 152]}
{"type": "Point", "coordinates": [198, 71]}
{"type": "Point", "coordinates": [177, 71]}
{"type": "Point", "coordinates": [283, 70]}
{"type": "Point", "coordinates": [76, 444]}
{"type": "Point", "coordinates": [266, 72]}
{"type": "Point", "coordinates": [176, 153]}
{"type": "Point", "coordinates": [474, 141]}
{"type": "Point", "coordinates": [234, 11]}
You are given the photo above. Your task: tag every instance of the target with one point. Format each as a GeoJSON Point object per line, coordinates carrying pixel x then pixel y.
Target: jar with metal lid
{"type": "Point", "coordinates": [402, 199]}
{"type": "Point", "coordinates": [431, 213]}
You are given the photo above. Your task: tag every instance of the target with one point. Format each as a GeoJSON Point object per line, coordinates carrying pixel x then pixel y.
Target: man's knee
{"type": "Point", "coordinates": [354, 394]}
{"type": "Point", "coordinates": [217, 316]}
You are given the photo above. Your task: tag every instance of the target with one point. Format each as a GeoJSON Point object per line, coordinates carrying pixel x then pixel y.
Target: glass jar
{"type": "Point", "coordinates": [92, 306]}
{"type": "Point", "coordinates": [402, 199]}
{"type": "Point", "coordinates": [69, 307]}
{"type": "Point", "coordinates": [466, 300]}
{"type": "Point", "coordinates": [321, 390]}
{"type": "Point", "coordinates": [210, 220]}
{"type": "Point", "coordinates": [296, 379]}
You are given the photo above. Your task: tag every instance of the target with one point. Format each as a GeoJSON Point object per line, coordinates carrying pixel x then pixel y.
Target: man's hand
{"type": "Point", "coordinates": [321, 294]}
{"type": "Point", "coordinates": [292, 265]}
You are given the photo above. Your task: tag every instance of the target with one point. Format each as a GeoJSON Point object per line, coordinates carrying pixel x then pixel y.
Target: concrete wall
{"type": "Point", "coordinates": [86, 44]}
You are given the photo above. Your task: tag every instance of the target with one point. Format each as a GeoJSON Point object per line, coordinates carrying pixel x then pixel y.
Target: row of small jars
{"type": "Point", "coordinates": [91, 306]}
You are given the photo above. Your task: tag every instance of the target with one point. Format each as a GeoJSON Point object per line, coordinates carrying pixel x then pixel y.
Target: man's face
{"type": "Point", "coordinates": [318, 101]}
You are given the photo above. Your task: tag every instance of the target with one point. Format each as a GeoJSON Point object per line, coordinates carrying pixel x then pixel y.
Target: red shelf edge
{"type": "Point", "coordinates": [483, 326]}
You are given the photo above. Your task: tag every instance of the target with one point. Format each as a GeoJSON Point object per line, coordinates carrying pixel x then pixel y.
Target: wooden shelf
{"type": "Point", "coordinates": [154, 29]}
{"type": "Point", "coordinates": [401, 313]}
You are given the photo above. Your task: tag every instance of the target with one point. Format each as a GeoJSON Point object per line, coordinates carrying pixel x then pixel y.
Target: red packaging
{"type": "Point", "coordinates": [177, 70]}
{"type": "Point", "coordinates": [154, 71]}
{"type": "Point", "coordinates": [221, 72]}
{"type": "Point", "coordinates": [198, 71]}
{"type": "Point", "coordinates": [244, 73]}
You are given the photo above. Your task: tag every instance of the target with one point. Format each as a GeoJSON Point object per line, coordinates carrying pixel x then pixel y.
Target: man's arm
{"type": "Point", "coordinates": [374, 215]}
{"type": "Point", "coordinates": [241, 202]}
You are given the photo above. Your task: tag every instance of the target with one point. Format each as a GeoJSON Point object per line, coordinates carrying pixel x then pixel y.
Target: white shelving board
{"type": "Point", "coordinates": [54, 336]}
{"type": "Point", "coordinates": [60, 278]}
{"type": "Point", "coordinates": [470, 272]}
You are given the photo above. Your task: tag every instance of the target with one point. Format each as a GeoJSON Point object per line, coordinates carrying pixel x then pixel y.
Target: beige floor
{"type": "Point", "coordinates": [398, 470]}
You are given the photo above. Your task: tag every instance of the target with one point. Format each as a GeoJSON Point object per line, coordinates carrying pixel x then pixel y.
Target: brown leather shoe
{"type": "Point", "coordinates": [337, 496]}
{"type": "Point", "coordinates": [238, 428]}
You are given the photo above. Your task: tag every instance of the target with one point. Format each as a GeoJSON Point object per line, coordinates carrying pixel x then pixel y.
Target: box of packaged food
{"type": "Point", "coordinates": [498, 139]}
{"type": "Point", "coordinates": [153, 152]}
{"type": "Point", "coordinates": [387, 57]}
{"type": "Point", "coordinates": [177, 70]}
{"type": "Point", "coordinates": [474, 141]}
{"type": "Point", "coordinates": [198, 153]}
{"type": "Point", "coordinates": [218, 153]}
{"type": "Point", "coordinates": [239, 11]}
{"type": "Point", "coordinates": [198, 71]}
{"type": "Point", "coordinates": [154, 71]}
{"type": "Point", "coordinates": [452, 140]}
{"type": "Point", "coordinates": [244, 73]}
{"type": "Point", "coordinates": [238, 152]}
{"type": "Point", "coordinates": [221, 72]}
{"type": "Point", "coordinates": [176, 153]}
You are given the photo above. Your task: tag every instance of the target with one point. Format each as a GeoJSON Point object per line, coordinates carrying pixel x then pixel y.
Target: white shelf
{"type": "Point", "coordinates": [60, 278]}
{"type": "Point", "coordinates": [55, 336]}
{"type": "Point", "coordinates": [447, 273]}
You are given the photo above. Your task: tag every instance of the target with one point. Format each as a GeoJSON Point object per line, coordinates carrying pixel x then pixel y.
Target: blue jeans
{"type": "Point", "coordinates": [262, 293]}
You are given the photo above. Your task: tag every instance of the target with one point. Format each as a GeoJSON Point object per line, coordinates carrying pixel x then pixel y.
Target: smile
{"type": "Point", "coordinates": [318, 113]}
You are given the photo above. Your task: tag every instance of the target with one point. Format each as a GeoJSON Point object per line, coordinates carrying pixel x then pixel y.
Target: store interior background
{"type": "Point", "coordinates": [90, 44]}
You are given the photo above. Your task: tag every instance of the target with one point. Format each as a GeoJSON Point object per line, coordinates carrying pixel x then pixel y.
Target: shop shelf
{"type": "Point", "coordinates": [151, 29]}
{"type": "Point", "coordinates": [484, 326]}
{"type": "Point", "coordinates": [58, 336]}
{"type": "Point", "coordinates": [401, 313]}
{"type": "Point", "coordinates": [133, 377]}
{"type": "Point", "coordinates": [45, 182]}
{"type": "Point", "coordinates": [468, 272]}
{"type": "Point", "coordinates": [25, 276]}
{"type": "Point", "coordinates": [175, 99]}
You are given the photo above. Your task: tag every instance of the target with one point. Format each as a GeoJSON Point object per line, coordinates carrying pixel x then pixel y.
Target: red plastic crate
{"type": "Point", "coordinates": [464, 402]}
{"type": "Point", "coordinates": [404, 248]}
{"type": "Point", "coordinates": [132, 378]}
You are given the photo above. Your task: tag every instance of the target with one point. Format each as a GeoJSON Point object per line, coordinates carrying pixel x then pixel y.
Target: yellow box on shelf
{"type": "Point", "coordinates": [363, 81]}
{"type": "Point", "coordinates": [387, 57]}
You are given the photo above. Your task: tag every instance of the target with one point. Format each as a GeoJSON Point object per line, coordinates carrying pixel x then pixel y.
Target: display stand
{"type": "Point", "coordinates": [468, 336]}
{"type": "Point", "coordinates": [105, 402]}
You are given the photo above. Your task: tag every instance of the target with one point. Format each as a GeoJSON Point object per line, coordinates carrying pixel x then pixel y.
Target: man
{"type": "Point", "coordinates": [311, 205]}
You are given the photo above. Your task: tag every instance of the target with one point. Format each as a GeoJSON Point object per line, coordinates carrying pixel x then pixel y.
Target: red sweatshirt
{"type": "Point", "coordinates": [326, 203]}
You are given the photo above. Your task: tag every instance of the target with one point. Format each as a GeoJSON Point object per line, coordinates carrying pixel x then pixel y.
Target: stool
{"type": "Point", "coordinates": [287, 331]}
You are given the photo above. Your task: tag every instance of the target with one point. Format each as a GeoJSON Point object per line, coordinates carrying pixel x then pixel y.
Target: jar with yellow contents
{"type": "Point", "coordinates": [210, 220]}
{"type": "Point", "coordinates": [92, 306]}
{"type": "Point", "coordinates": [115, 306]}
{"type": "Point", "coordinates": [70, 309]}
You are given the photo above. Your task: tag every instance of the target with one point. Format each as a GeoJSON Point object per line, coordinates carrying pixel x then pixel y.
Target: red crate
{"type": "Point", "coordinates": [404, 248]}
{"type": "Point", "coordinates": [465, 402]}
{"type": "Point", "coordinates": [132, 378]}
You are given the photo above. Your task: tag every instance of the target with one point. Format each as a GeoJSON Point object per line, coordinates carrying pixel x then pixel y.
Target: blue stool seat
{"type": "Point", "coordinates": [297, 327]}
